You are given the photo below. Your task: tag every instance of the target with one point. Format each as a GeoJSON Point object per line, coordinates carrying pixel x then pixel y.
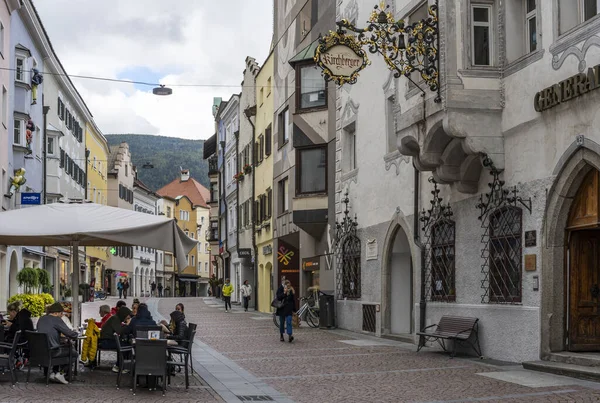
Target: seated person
{"type": "Point", "coordinates": [53, 325]}
{"type": "Point", "coordinates": [134, 308]}
{"type": "Point", "coordinates": [18, 319]}
{"type": "Point", "coordinates": [179, 334]}
{"type": "Point", "coordinates": [142, 318]}
{"type": "Point", "coordinates": [170, 327]}
{"type": "Point", "coordinates": [104, 314]}
{"type": "Point", "coordinates": [116, 308]}
{"type": "Point", "coordinates": [115, 324]}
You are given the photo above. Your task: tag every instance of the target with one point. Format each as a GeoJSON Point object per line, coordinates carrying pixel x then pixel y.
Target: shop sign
{"type": "Point", "coordinates": [267, 250]}
{"type": "Point", "coordinates": [245, 252]}
{"type": "Point", "coordinates": [371, 246]}
{"type": "Point", "coordinates": [567, 90]}
{"type": "Point", "coordinates": [31, 198]}
{"type": "Point", "coordinates": [340, 58]}
{"type": "Point", "coordinates": [311, 263]}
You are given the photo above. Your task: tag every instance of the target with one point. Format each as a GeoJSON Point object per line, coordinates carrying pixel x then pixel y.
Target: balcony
{"type": "Point", "coordinates": [212, 235]}
{"type": "Point", "coordinates": [213, 166]}
{"type": "Point", "coordinates": [144, 260]}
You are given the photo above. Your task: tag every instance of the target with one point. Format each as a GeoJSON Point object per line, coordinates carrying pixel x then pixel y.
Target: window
{"type": "Point", "coordinates": [18, 131]}
{"type": "Point", "coordinates": [206, 247]}
{"type": "Point", "coordinates": [390, 124]}
{"type": "Point", "coordinates": [51, 147]}
{"type": "Point", "coordinates": [20, 69]}
{"type": "Point", "coordinates": [348, 257]}
{"type": "Point", "coordinates": [530, 26]}
{"type": "Point", "coordinates": [4, 106]}
{"type": "Point", "coordinates": [206, 267]}
{"type": "Point", "coordinates": [2, 39]}
{"type": "Point", "coordinates": [268, 86]}
{"type": "Point", "coordinates": [94, 164]}
{"type": "Point", "coordinates": [261, 97]}
{"type": "Point", "coordinates": [192, 235]}
{"type": "Point", "coordinates": [504, 245]}
{"type": "Point", "coordinates": [575, 12]}
{"type": "Point", "coordinates": [311, 171]}
{"type": "Point", "coordinates": [284, 195]}
{"type": "Point", "coordinates": [261, 143]}
{"type": "Point", "coordinates": [481, 35]}
{"type": "Point", "coordinates": [169, 212]}
{"type": "Point", "coordinates": [443, 262]}
{"type": "Point", "coordinates": [269, 202]}
{"type": "Point", "coordinates": [126, 169]}
{"type": "Point", "coordinates": [168, 259]}
{"type": "Point", "coordinates": [268, 141]}
{"type": "Point", "coordinates": [193, 261]}
{"type": "Point", "coordinates": [284, 127]}
{"type": "Point", "coordinates": [313, 89]}
{"type": "Point", "coordinates": [349, 148]}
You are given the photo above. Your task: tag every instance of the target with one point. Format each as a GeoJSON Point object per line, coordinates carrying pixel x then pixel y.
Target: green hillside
{"type": "Point", "coordinates": [166, 154]}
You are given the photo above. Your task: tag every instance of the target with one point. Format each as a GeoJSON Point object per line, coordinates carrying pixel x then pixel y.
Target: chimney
{"type": "Point", "coordinates": [185, 175]}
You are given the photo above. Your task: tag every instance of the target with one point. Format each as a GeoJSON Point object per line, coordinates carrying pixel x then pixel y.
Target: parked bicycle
{"type": "Point", "coordinates": [307, 312]}
{"type": "Point", "coordinates": [100, 294]}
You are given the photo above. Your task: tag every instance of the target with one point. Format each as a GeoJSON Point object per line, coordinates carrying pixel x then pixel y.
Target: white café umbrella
{"type": "Point", "coordinates": [91, 224]}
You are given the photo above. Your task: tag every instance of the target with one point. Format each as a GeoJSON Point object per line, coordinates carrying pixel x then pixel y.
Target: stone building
{"type": "Point", "coordinates": [517, 113]}
{"type": "Point", "coordinates": [144, 258]}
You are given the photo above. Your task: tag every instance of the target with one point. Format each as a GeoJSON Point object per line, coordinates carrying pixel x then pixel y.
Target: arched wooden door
{"type": "Point", "coordinates": [584, 268]}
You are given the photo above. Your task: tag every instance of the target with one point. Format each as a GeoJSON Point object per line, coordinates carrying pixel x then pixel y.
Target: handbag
{"type": "Point", "coordinates": [277, 303]}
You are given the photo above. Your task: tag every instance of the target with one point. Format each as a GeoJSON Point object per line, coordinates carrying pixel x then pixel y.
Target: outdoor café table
{"type": "Point", "coordinates": [77, 340]}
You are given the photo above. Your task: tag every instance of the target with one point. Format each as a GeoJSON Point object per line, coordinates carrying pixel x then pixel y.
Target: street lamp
{"type": "Point", "coordinates": [162, 90]}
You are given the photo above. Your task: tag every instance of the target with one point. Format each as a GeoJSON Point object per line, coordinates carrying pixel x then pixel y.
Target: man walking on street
{"type": "Point", "coordinates": [120, 288]}
{"type": "Point", "coordinates": [227, 291]}
{"type": "Point", "coordinates": [125, 288]}
{"type": "Point", "coordinates": [160, 288]}
{"type": "Point", "coordinates": [246, 294]}
{"type": "Point", "coordinates": [153, 289]}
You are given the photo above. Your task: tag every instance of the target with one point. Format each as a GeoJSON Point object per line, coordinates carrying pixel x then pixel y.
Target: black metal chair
{"type": "Point", "coordinates": [8, 359]}
{"type": "Point", "coordinates": [40, 354]}
{"type": "Point", "coordinates": [122, 361]}
{"type": "Point", "coordinates": [185, 351]}
{"type": "Point", "coordinates": [150, 360]}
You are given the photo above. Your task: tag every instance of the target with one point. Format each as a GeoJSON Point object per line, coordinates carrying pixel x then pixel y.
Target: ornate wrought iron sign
{"type": "Point", "coordinates": [341, 58]}
{"type": "Point", "coordinates": [404, 48]}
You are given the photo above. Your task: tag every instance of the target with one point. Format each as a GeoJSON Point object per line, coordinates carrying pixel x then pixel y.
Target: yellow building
{"type": "Point", "coordinates": [96, 192]}
{"type": "Point", "coordinates": [186, 220]}
{"type": "Point", "coordinates": [264, 184]}
{"type": "Point", "coordinates": [165, 267]}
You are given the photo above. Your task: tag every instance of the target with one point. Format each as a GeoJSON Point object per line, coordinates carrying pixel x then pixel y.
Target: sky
{"type": "Point", "coordinates": [170, 42]}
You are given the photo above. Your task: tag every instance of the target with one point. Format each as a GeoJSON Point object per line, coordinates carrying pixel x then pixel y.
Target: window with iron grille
{"type": "Point", "coordinates": [348, 256]}
{"type": "Point", "coordinates": [443, 286]}
{"type": "Point", "coordinates": [504, 255]}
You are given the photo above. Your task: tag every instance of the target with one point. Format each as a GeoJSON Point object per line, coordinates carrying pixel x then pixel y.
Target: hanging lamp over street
{"type": "Point", "coordinates": [162, 90]}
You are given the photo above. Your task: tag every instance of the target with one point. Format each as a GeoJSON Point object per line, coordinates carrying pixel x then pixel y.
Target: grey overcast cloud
{"type": "Point", "coordinates": [171, 42]}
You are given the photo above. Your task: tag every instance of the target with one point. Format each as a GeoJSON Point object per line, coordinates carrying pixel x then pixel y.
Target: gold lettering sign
{"type": "Point", "coordinates": [340, 58]}
{"type": "Point", "coordinates": [530, 262]}
{"type": "Point", "coordinates": [568, 89]}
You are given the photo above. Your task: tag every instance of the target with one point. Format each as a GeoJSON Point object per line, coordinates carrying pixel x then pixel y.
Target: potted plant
{"type": "Point", "coordinates": [239, 176]}
{"type": "Point", "coordinates": [247, 168]}
{"type": "Point", "coordinates": [28, 278]}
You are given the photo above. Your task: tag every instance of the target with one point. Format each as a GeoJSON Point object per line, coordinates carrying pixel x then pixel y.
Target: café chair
{"type": "Point", "coordinates": [150, 360]}
{"type": "Point", "coordinates": [8, 359]}
{"type": "Point", "coordinates": [40, 354]}
{"type": "Point", "coordinates": [141, 332]}
{"type": "Point", "coordinates": [122, 361]}
{"type": "Point", "coordinates": [185, 351]}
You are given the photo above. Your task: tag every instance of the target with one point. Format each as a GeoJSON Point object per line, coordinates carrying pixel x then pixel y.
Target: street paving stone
{"type": "Point", "coordinates": [322, 365]}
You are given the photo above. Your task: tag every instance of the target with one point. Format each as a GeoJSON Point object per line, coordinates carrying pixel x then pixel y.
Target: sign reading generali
{"type": "Point", "coordinates": [568, 89]}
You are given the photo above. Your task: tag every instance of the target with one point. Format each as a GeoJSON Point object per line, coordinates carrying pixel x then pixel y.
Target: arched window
{"type": "Point", "coordinates": [443, 286]}
{"type": "Point", "coordinates": [504, 255]}
{"type": "Point", "coordinates": [349, 255]}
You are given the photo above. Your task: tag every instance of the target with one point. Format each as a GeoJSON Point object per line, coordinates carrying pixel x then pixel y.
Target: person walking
{"type": "Point", "coordinates": [227, 291]}
{"type": "Point", "coordinates": [152, 289]}
{"type": "Point", "coordinates": [120, 288]}
{"type": "Point", "coordinates": [246, 294]}
{"type": "Point", "coordinates": [125, 288]}
{"type": "Point", "coordinates": [288, 297]}
{"type": "Point", "coordinates": [92, 289]}
{"type": "Point", "coordinates": [160, 288]}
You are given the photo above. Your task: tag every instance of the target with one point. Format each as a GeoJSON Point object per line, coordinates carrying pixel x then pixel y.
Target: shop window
{"type": "Point", "coordinates": [575, 12]}
{"type": "Point", "coordinates": [482, 49]}
{"type": "Point", "coordinates": [312, 88]}
{"type": "Point", "coordinates": [443, 261]}
{"type": "Point", "coordinates": [311, 170]}
{"type": "Point", "coordinates": [504, 247]}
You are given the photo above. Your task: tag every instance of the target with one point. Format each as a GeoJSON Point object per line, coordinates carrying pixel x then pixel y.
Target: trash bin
{"type": "Point", "coordinates": [326, 311]}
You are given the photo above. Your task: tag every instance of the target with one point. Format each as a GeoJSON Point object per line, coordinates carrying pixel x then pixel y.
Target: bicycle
{"type": "Point", "coordinates": [100, 294]}
{"type": "Point", "coordinates": [307, 312]}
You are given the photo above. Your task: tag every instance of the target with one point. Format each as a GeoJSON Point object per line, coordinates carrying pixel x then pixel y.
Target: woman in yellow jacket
{"type": "Point", "coordinates": [227, 291]}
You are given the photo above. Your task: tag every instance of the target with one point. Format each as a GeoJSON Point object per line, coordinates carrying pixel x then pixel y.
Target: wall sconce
{"type": "Point", "coordinates": [536, 283]}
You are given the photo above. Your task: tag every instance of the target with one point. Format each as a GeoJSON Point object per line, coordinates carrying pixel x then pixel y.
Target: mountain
{"type": "Point", "coordinates": [166, 154]}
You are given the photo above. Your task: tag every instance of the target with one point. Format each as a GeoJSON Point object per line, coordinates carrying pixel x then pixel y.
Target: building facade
{"type": "Point", "coordinates": [303, 147]}
{"type": "Point", "coordinates": [263, 183]}
{"type": "Point", "coordinates": [212, 231]}
{"type": "Point", "coordinates": [144, 258]}
{"type": "Point", "coordinates": [120, 178]}
{"type": "Point", "coordinates": [203, 257]}
{"type": "Point", "coordinates": [166, 266]}
{"type": "Point", "coordinates": [517, 113]}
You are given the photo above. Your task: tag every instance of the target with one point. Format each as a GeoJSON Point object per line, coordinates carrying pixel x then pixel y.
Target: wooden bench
{"type": "Point", "coordinates": [458, 329]}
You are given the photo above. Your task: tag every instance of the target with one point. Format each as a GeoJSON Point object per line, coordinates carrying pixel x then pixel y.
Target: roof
{"type": "Point", "coordinates": [112, 157]}
{"type": "Point", "coordinates": [191, 188]}
{"type": "Point", "coordinates": [143, 186]}
{"type": "Point", "coordinates": [308, 53]}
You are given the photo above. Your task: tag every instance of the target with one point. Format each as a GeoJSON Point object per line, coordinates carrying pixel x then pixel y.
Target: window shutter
{"type": "Point", "coordinates": [268, 141]}
{"type": "Point", "coordinates": [58, 107]}
{"type": "Point", "coordinates": [262, 147]}
{"type": "Point", "coordinates": [62, 158]}
{"type": "Point", "coordinates": [269, 203]}
{"type": "Point", "coordinates": [120, 191]}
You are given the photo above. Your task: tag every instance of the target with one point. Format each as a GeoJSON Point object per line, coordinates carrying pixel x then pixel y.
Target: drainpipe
{"type": "Point", "coordinates": [419, 244]}
{"type": "Point", "coordinates": [237, 190]}
{"type": "Point", "coordinates": [45, 110]}
{"type": "Point", "coordinates": [248, 113]}
{"type": "Point", "coordinates": [224, 199]}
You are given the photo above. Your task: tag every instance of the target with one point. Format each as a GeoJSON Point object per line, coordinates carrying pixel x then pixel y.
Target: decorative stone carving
{"type": "Point", "coordinates": [395, 159]}
{"type": "Point", "coordinates": [558, 59]}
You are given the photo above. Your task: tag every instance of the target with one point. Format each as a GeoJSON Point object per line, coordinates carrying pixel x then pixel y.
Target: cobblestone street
{"type": "Point", "coordinates": [238, 357]}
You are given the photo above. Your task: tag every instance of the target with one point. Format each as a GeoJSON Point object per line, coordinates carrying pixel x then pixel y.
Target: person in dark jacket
{"type": "Point", "coordinates": [288, 297]}
{"type": "Point", "coordinates": [142, 318]}
{"type": "Point", "coordinates": [18, 319]}
{"type": "Point", "coordinates": [116, 308]}
{"type": "Point", "coordinates": [114, 325]}
{"type": "Point", "coordinates": [179, 332]}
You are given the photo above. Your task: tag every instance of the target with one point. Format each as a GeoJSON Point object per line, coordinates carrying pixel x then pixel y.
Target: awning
{"type": "Point", "coordinates": [210, 146]}
{"type": "Point", "coordinates": [34, 252]}
{"type": "Point", "coordinates": [308, 53]}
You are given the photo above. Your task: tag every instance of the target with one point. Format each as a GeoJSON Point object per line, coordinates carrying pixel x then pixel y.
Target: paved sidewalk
{"type": "Point", "coordinates": [240, 353]}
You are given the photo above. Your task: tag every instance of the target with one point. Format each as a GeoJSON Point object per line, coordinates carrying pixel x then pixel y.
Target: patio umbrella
{"type": "Point", "coordinates": [92, 224]}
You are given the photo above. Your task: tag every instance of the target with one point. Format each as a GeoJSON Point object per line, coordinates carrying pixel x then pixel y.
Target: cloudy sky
{"type": "Point", "coordinates": [171, 42]}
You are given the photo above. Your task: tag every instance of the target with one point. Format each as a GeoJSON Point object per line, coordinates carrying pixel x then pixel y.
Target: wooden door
{"type": "Point", "coordinates": [584, 287]}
